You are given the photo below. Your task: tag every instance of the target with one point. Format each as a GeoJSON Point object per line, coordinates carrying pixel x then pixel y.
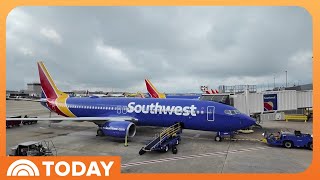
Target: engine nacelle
{"type": "Point", "coordinates": [118, 129]}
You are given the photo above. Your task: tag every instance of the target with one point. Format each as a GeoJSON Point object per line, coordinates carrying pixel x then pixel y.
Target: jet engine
{"type": "Point", "coordinates": [117, 129]}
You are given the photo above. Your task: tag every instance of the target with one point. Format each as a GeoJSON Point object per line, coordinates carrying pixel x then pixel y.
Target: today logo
{"type": "Point", "coordinates": [24, 167]}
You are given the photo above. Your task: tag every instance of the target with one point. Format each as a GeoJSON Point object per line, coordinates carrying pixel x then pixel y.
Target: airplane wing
{"type": "Point", "coordinates": [118, 118]}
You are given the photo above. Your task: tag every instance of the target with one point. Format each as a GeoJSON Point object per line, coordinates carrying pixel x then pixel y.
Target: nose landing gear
{"type": "Point", "coordinates": [221, 135]}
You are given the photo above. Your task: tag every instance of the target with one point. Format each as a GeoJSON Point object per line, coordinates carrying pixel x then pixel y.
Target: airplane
{"type": "Point", "coordinates": [205, 90]}
{"type": "Point", "coordinates": [154, 93]}
{"type": "Point", "coordinates": [118, 116]}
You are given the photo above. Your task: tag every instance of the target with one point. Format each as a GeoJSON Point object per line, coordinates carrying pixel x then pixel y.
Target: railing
{"type": "Point", "coordinates": [170, 131]}
{"type": "Point", "coordinates": [296, 117]}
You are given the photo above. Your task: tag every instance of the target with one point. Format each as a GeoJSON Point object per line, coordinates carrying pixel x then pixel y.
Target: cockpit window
{"type": "Point", "coordinates": [232, 112]}
{"type": "Point", "coordinates": [227, 112]}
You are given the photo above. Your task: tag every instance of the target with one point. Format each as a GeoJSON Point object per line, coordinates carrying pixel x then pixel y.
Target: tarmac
{"type": "Point", "coordinates": [197, 151]}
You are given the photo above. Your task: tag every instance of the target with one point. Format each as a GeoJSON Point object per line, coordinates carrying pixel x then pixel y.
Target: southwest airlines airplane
{"type": "Point", "coordinates": [118, 117]}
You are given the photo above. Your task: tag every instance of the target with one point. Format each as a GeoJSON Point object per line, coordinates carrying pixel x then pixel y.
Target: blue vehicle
{"type": "Point", "coordinates": [118, 117]}
{"type": "Point", "coordinates": [289, 139]}
{"type": "Point", "coordinates": [168, 138]}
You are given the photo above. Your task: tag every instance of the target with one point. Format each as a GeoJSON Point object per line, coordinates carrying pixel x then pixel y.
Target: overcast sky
{"type": "Point", "coordinates": [177, 48]}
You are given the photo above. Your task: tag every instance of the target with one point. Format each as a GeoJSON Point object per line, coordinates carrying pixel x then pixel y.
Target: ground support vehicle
{"type": "Point", "coordinates": [34, 148]}
{"type": "Point", "coordinates": [168, 138]}
{"type": "Point", "coordinates": [289, 139]}
{"type": "Point", "coordinates": [29, 122]}
{"type": "Point", "coordinates": [10, 124]}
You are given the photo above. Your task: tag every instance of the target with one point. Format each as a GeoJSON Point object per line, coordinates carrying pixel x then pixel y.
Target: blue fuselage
{"type": "Point", "coordinates": [192, 114]}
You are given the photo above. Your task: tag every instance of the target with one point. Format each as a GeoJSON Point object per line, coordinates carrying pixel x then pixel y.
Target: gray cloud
{"type": "Point", "coordinates": [178, 48]}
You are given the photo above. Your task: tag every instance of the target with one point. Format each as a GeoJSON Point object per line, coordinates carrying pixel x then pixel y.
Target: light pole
{"type": "Point", "coordinates": [286, 78]}
{"type": "Point", "coordinates": [274, 82]}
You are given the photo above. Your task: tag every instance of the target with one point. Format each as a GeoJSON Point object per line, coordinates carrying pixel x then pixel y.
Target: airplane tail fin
{"type": "Point", "coordinates": [153, 91]}
{"type": "Point", "coordinates": [49, 89]}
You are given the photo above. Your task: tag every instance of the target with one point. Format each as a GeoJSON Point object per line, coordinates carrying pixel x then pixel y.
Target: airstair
{"type": "Point", "coordinates": [167, 138]}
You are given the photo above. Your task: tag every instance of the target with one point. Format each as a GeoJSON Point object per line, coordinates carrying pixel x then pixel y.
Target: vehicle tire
{"type": "Point", "coordinates": [174, 150]}
{"type": "Point", "coordinates": [142, 151]}
{"type": "Point", "coordinates": [177, 142]}
{"type": "Point", "coordinates": [166, 149]}
{"type": "Point", "coordinates": [100, 132]}
{"type": "Point", "coordinates": [217, 138]}
{"type": "Point", "coordinates": [310, 145]}
{"type": "Point", "coordinates": [288, 144]}
{"type": "Point", "coordinates": [29, 122]}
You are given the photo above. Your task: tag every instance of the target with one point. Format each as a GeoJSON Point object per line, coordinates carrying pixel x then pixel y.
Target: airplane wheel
{"type": "Point", "coordinates": [142, 151]}
{"type": "Point", "coordinates": [177, 142]}
{"type": "Point", "coordinates": [217, 138]}
{"type": "Point", "coordinates": [166, 149]}
{"type": "Point", "coordinates": [174, 150]}
{"type": "Point", "coordinates": [100, 132]}
{"type": "Point", "coordinates": [288, 144]}
{"type": "Point", "coordinates": [310, 145]}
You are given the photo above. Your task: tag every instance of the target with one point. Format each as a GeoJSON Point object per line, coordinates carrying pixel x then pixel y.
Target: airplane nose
{"type": "Point", "coordinates": [247, 121]}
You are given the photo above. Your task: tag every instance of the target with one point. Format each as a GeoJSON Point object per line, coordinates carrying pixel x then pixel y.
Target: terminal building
{"type": "Point", "coordinates": [34, 90]}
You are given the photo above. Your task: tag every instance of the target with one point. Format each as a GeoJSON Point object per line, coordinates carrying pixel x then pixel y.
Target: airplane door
{"type": "Point", "coordinates": [210, 113]}
{"type": "Point", "coordinates": [119, 109]}
{"type": "Point", "coordinates": [124, 109]}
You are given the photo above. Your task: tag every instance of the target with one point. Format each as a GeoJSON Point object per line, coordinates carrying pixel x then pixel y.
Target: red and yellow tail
{"type": "Point", "coordinates": [49, 89]}
{"type": "Point", "coordinates": [153, 91]}
{"type": "Point", "coordinates": [56, 99]}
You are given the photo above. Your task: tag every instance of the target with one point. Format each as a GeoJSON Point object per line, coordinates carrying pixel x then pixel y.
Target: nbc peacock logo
{"type": "Point", "coordinates": [23, 167]}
